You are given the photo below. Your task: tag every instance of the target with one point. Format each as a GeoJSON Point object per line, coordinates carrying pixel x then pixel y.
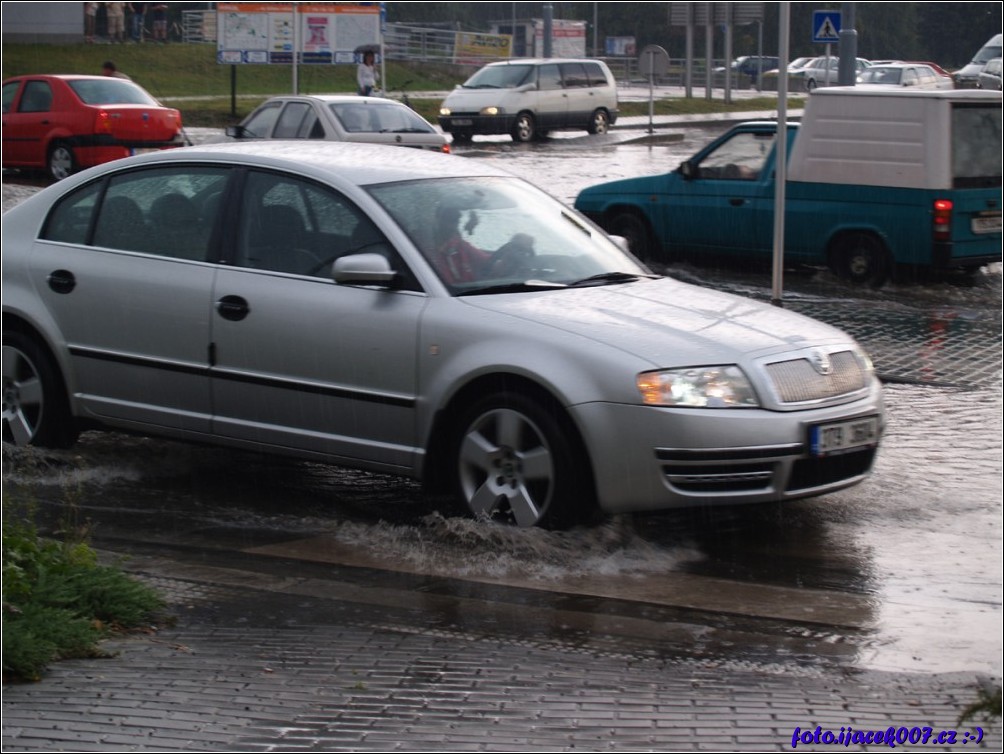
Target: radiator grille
{"type": "Point", "coordinates": [798, 380]}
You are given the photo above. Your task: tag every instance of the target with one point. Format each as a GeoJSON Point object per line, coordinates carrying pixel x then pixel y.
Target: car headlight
{"type": "Point", "coordinates": [445, 111]}
{"type": "Point", "coordinates": [697, 387]}
{"type": "Point", "coordinates": [492, 110]}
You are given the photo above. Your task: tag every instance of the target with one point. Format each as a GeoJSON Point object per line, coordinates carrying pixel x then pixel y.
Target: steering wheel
{"type": "Point", "coordinates": [511, 257]}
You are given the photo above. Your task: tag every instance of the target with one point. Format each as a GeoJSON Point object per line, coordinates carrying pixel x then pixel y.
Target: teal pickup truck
{"type": "Point", "coordinates": [879, 181]}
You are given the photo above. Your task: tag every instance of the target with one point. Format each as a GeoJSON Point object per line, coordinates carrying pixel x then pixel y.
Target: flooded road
{"type": "Point", "coordinates": [899, 573]}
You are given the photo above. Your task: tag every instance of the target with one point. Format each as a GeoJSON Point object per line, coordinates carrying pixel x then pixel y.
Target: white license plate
{"type": "Point", "coordinates": [462, 122]}
{"type": "Point", "coordinates": [986, 224]}
{"type": "Point", "coordinates": [839, 437]}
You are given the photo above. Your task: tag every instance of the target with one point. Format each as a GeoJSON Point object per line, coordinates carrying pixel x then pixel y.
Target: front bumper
{"type": "Point", "coordinates": [474, 123]}
{"type": "Point", "coordinates": [646, 458]}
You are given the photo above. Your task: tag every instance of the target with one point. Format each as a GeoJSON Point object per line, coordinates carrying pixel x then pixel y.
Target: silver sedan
{"type": "Point", "coordinates": [426, 315]}
{"type": "Point", "coordinates": [337, 117]}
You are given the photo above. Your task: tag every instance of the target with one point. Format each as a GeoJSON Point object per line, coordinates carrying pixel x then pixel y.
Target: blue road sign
{"type": "Point", "coordinates": [826, 26]}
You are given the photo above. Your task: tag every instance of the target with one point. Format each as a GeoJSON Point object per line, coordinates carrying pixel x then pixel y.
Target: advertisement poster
{"type": "Point", "coordinates": [266, 33]}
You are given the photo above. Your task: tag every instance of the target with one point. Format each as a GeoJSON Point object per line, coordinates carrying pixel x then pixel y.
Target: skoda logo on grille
{"type": "Point", "coordinates": [820, 362]}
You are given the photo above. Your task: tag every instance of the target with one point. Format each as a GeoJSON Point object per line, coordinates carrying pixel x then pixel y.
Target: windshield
{"type": "Point", "coordinates": [493, 234]}
{"type": "Point", "coordinates": [377, 118]}
{"type": "Point", "coordinates": [987, 53]}
{"type": "Point", "coordinates": [111, 91]}
{"type": "Point", "coordinates": [500, 77]}
{"type": "Point", "coordinates": [880, 75]}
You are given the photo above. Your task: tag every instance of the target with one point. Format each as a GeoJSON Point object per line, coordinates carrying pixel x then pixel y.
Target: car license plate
{"type": "Point", "coordinates": [462, 122]}
{"type": "Point", "coordinates": [840, 437]}
{"type": "Point", "coordinates": [986, 224]}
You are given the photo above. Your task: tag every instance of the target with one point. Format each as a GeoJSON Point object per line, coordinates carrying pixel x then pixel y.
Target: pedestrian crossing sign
{"type": "Point", "coordinates": [826, 26]}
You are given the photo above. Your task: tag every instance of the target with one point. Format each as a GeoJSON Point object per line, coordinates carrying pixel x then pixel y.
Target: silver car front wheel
{"type": "Point", "coordinates": [514, 465]}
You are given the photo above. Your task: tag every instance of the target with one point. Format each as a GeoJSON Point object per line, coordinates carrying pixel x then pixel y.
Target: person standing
{"type": "Point", "coordinates": [116, 21]}
{"type": "Point", "coordinates": [366, 75]}
{"type": "Point", "coordinates": [138, 19]}
{"type": "Point", "coordinates": [90, 21]}
{"type": "Point", "coordinates": [160, 22]}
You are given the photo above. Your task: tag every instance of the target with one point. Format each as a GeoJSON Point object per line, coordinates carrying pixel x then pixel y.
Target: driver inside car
{"type": "Point", "coordinates": [459, 261]}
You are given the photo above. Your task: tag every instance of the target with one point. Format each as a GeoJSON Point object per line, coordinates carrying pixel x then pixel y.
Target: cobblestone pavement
{"type": "Point", "coordinates": [295, 673]}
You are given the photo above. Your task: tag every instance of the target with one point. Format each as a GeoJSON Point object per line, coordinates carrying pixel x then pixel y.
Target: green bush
{"type": "Point", "coordinates": [58, 601]}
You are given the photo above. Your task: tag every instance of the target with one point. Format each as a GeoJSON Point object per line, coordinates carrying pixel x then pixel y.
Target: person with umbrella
{"type": "Point", "coordinates": [366, 74]}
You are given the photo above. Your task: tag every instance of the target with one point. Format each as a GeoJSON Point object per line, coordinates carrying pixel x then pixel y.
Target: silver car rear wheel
{"type": "Point", "coordinates": [515, 466]}
{"type": "Point", "coordinates": [35, 409]}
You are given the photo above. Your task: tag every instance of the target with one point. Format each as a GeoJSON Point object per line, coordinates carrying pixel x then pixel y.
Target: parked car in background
{"type": "Point", "coordinates": [990, 76]}
{"type": "Point", "coordinates": [826, 71]}
{"type": "Point", "coordinates": [527, 98]}
{"type": "Point", "coordinates": [916, 75]}
{"type": "Point", "coordinates": [371, 120]}
{"type": "Point", "coordinates": [62, 124]}
{"type": "Point", "coordinates": [968, 76]}
{"type": "Point", "coordinates": [751, 66]}
{"type": "Point", "coordinates": [421, 315]}
{"type": "Point", "coordinates": [768, 80]}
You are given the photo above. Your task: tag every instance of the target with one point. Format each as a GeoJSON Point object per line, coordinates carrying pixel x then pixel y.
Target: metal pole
{"type": "Point", "coordinates": [848, 70]}
{"type": "Point", "coordinates": [780, 155]}
{"type": "Point", "coordinates": [296, 50]}
{"type": "Point", "coordinates": [709, 47]}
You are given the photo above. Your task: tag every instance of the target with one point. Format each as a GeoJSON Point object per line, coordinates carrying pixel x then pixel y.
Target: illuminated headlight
{"type": "Point", "coordinates": [697, 387]}
{"type": "Point", "coordinates": [493, 110]}
{"type": "Point", "coordinates": [445, 111]}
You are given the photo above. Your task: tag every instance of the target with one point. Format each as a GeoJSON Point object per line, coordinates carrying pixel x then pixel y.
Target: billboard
{"type": "Point", "coordinates": [324, 33]}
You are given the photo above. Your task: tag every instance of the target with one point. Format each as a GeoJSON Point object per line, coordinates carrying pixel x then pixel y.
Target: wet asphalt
{"type": "Point", "coordinates": [267, 648]}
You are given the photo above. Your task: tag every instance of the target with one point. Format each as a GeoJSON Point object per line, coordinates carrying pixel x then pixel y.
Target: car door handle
{"type": "Point", "coordinates": [62, 281]}
{"type": "Point", "coordinates": [737, 202]}
{"type": "Point", "coordinates": [233, 308]}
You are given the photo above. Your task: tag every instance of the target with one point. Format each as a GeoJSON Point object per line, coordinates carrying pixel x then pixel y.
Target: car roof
{"type": "Point", "coordinates": [356, 163]}
{"type": "Point", "coordinates": [336, 99]}
{"type": "Point", "coordinates": [64, 77]}
{"type": "Point", "coordinates": [541, 61]}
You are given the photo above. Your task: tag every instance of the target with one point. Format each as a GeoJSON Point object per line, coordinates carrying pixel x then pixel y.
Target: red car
{"type": "Point", "coordinates": [66, 123]}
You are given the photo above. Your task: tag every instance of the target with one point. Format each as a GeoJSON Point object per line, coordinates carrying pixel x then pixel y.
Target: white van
{"type": "Point", "coordinates": [526, 98]}
{"type": "Point", "coordinates": [967, 76]}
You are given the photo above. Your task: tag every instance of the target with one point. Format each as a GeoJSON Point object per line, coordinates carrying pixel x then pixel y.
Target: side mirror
{"type": "Point", "coordinates": [235, 132]}
{"type": "Point", "coordinates": [688, 170]}
{"type": "Point", "coordinates": [363, 269]}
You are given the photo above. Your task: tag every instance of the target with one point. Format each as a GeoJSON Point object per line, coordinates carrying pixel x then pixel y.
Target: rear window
{"type": "Point", "coordinates": [111, 92]}
{"type": "Point", "coordinates": [976, 146]}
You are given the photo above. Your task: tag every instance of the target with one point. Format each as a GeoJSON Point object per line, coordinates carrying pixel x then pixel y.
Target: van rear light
{"type": "Point", "coordinates": [942, 223]}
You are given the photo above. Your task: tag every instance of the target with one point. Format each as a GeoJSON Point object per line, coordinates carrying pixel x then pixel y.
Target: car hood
{"type": "Point", "coordinates": [667, 322]}
{"type": "Point", "coordinates": [475, 99]}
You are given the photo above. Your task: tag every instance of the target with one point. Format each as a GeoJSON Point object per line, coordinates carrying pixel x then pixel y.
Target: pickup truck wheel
{"type": "Point", "coordinates": [860, 258]}
{"type": "Point", "coordinates": [524, 129]}
{"type": "Point", "coordinates": [634, 228]}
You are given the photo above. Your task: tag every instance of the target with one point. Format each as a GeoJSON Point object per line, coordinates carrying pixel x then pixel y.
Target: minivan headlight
{"type": "Point", "coordinates": [492, 110]}
{"type": "Point", "coordinates": [697, 387]}
{"type": "Point", "coordinates": [445, 111]}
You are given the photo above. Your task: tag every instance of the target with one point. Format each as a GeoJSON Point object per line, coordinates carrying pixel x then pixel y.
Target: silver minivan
{"type": "Point", "coordinates": [526, 98]}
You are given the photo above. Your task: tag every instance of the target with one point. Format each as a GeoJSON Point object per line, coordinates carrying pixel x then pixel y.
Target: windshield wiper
{"type": "Point", "coordinates": [522, 287]}
{"type": "Point", "coordinates": [611, 278]}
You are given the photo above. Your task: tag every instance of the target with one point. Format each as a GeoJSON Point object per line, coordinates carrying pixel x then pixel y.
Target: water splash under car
{"type": "Point", "coordinates": [420, 314]}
